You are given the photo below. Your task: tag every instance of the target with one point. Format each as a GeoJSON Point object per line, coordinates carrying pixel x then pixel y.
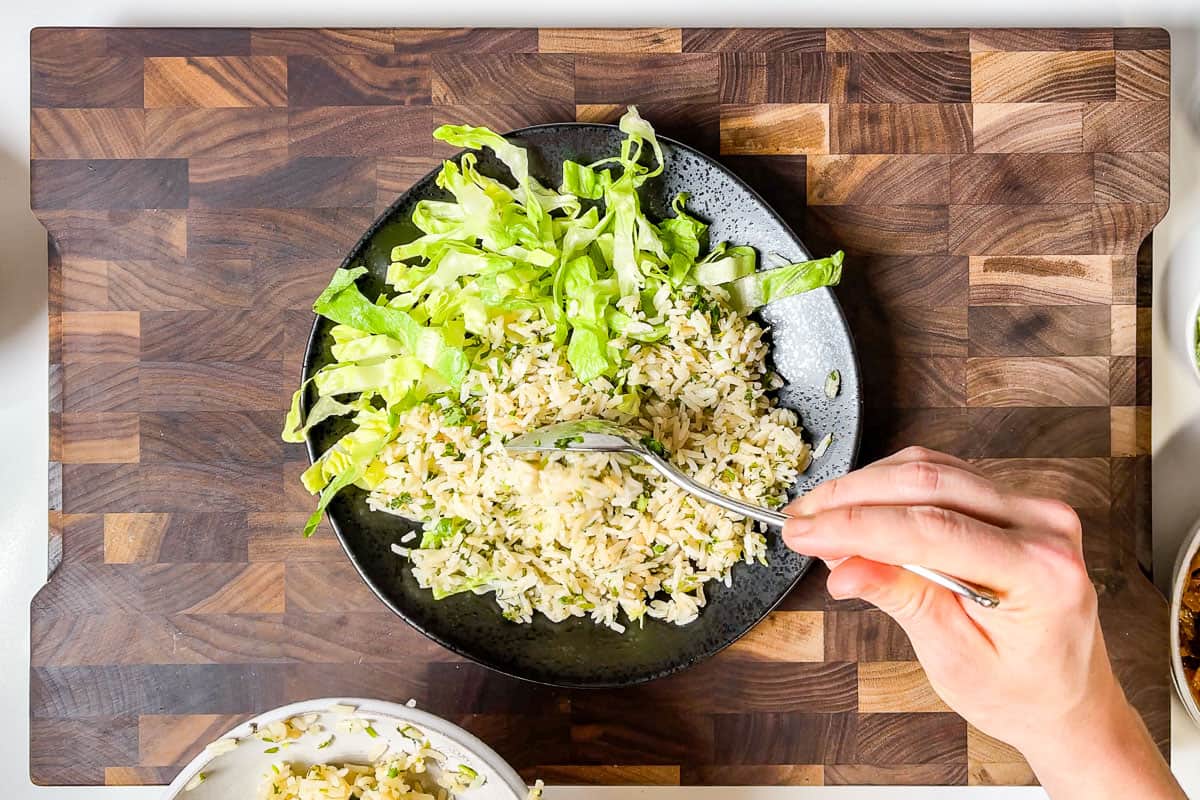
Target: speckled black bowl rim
{"type": "Point", "coordinates": [310, 445]}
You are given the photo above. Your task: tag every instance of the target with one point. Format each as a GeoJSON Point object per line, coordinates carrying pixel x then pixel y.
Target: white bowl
{"type": "Point", "coordinates": [237, 773]}
{"type": "Point", "coordinates": [1187, 552]}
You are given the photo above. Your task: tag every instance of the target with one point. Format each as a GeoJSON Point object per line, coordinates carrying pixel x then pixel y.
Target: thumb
{"type": "Point", "coordinates": [932, 616]}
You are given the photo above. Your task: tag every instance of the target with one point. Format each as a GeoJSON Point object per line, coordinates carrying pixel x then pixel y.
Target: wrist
{"type": "Point", "coordinates": [1100, 749]}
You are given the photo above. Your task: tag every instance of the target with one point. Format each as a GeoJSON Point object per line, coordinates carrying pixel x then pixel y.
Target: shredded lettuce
{"type": "Point", "coordinates": [501, 249]}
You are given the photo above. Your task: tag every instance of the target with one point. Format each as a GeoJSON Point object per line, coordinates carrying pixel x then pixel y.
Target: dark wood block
{"type": "Point", "coordinates": [68, 81]}
{"type": "Point", "coordinates": [1042, 39]}
{"type": "Point", "coordinates": [896, 774]}
{"type": "Point", "coordinates": [1028, 381]}
{"type": "Point", "coordinates": [99, 488]}
{"type": "Point", "coordinates": [86, 133]}
{"type": "Point", "coordinates": [1127, 127]}
{"type": "Point", "coordinates": [516, 78]}
{"type": "Point", "coordinates": [86, 692]}
{"type": "Point", "coordinates": [202, 386]}
{"type": "Point", "coordinates": [1022, 178]}
{"type": "Point", "coordinates": [124, 234]}
{"type": "Point", "coordinates": [894, 739]}
{"type": "Point", "coordinates": [360, 131]}
{"type": "Point", "coordinates": [1022, 230]}
{"type": "Point", "coordinates": [715, 40]}
{"type": "Point", "coordinates": [909, 331]}
{"type": "Point", "coordinates": [466, 40]}
{"type": "Point", "coordinates": [932, 280]}
{"type": "Point", "coordinates": [210, 336]}
{"type": "Point", "coordinates": [173, 538]}
{"type": "Point", "coordinates": [613, 736]}
{"type": "Point", "coordinates": [275, 233]}
{"type": "Point", "coordinates": [116, 743]}
{"type": "Point", "coordinates": [149, 42]}
{"type": "Point", "coordinates": [909, 77]}
{"type": "Point", "coordinates": [1037, 432]}
{"type": "Point", "coordinates": [358, 80]}
{"type": "Point", "coordinates": [925, 382]}
{"type": "Point", "coordinates": [109, 184]}
{"type": "Point", "coordinates": [865, 636]}
{"type": "Point", "coordinates": [258, 182]}
{"type": "Point", "coordinates": [881, 229]}
{"type": "Point", "coordinates": [1141, 39]}
{"type": "Point", "coordinates": [772, 738]}
{"type": "Point", "coordinates": [211, 436]}
{"type": "Point", "coordinates": [691, 78]}
{"type": "Point", "coordinates": [321, 41]}
{"type": "Point", "coordinates": [900, 128]}
{"type": "Point", "coordinates": [1039, 331]}
{"type": "Point", "coordinates": [167, 589]}
{"type": "Point", "coordinates": [730, 686]}
{"type": "Point", "coordinates": [106, 386]}
{"type": "Point", "coordinates": [1133, 177]}
{"type": "Point", "coordinates": [216, 132]}
{"type": "Point", "coordinates": [879, 180]}
{"type": "Point", "coordinates": [945, 429]}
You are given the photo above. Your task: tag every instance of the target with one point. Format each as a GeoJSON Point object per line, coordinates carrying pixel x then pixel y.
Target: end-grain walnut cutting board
{"type": "Point", "coordinates": [994, 191]}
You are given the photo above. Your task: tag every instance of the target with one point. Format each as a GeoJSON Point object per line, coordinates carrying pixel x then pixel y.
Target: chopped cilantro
{"type": "Point", "coordinates": [567, 441]}
{"type": "Point", "coordinates": [654, 446]}
{"type": "Point", "coordinates": [404, 498]}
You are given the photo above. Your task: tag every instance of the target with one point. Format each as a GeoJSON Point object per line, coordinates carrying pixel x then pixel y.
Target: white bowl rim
{"type": "Point", "coordinates": [1187, 552]}
{"type": "Point", "coordinates": [367, 707]}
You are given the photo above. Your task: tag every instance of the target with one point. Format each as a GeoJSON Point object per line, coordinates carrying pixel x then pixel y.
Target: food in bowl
{"type": "Point", "coordinates": [521, 306]}
{"type": "Point", "coordinates": [1189, 627]}
{"type": "Point", "coordinates": [401, 765]}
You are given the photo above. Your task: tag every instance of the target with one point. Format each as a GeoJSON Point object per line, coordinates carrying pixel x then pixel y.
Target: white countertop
{"type": "Point", "coordinates": [23, 343]}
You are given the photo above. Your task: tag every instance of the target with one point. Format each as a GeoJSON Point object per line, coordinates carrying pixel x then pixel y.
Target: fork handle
{"type": "Point", "coordinates": [978, 594]}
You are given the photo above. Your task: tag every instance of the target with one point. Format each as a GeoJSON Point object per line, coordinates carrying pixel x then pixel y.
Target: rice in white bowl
{"type": "Point", "coordinates": [596, 535]}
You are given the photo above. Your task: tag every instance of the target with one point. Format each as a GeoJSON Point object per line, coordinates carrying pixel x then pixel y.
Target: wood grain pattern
{"type": "Point", "coordinates": [995, 381]}
{"type": "Point", "coordinates": [621, 78]}
{"type": "Point", "coordinates": [1041, 280]}
{"type": "Point", "coordinates": [900, 128]}
{"type": "Point", "coordinates": [780, 129]}
{"type": "Point", "coordinates": [86, 133]}
{"type": "Point", "coordinates": [879, 179]}
{"type": "Point", "coordinates": [602, 40]}
{"type": "Point", "coordinates": [1028, 127]}
{"type": "Point", "coordinates": [1022, 178]}
{"type": "Point", "coordinates": [993, 190]}
{"type": "Point", "coordinates": [896, 687]}
{"type": "Point", "coordinates": [1036, 77]}
{"type": "Point", "coordinates": [357, 80]}
{"type": "Point", "coordinates": [1039, 331]}
{"type": "Point", "coordinates": [897, 40]}
{"type": "Point", "coordinates": [208, 82]}
{"type": "Point", "coordinates": [503, 78]}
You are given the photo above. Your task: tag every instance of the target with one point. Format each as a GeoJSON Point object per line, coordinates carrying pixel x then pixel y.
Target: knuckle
{"type": "Point", "coordinates": [1060, 559]}
{"type": "Point", "coordinates": [916, 453]}
{"type": "Point", "coordinates": [1061, 518]}
{"type": "Point", "coordinates": [922, 476]}
{"type": "Point", "coordinates": [932, 520]}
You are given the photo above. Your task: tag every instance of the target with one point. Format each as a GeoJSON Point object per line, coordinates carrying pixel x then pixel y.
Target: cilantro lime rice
{"type": "Point", "coordinates": [520, 306]}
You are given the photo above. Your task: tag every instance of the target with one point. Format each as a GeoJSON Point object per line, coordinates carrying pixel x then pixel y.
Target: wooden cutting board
{"type": "Point", "coordinates": [994, 191]}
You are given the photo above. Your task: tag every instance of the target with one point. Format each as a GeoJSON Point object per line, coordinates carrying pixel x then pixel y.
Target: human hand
{"type": "Point", "coordinates": [1033, 672]}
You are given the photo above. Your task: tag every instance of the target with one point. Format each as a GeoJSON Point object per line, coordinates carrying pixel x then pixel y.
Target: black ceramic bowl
{"type": "Point", "coordinates": [809, 338]}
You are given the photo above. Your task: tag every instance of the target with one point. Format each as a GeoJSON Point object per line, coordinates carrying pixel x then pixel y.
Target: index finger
{"type": "Point", "coordinates": [944, 540]}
